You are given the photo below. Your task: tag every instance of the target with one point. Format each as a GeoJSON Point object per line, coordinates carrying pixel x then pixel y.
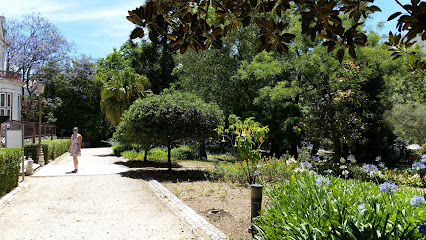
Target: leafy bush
{"type": "Point", "coordinates": [185, 152]}
{"type": "Point", "coordinates": [268, 170]}
{"type": "Point", "coordinates": [51, 149]}
{"type": "Point", "coordinates": [130, 154]}
{"type": "Point", "coordinates": [315, 207]}
{"type": "Point", "coordinates": [10, 158]}
{"type": "Point", "coordinates": [118, 149]}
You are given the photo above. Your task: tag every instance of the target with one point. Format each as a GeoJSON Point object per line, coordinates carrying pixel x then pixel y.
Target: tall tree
{"type": "Point", "coordinates": [79, 91]}
{"type": "Point", "coordinates": [34, 43]}
{"type": "Point", "coordinates": [120, 92]}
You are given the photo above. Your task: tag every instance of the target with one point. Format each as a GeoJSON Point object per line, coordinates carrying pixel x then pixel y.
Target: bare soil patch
{"type": "Point", "coordinates": [225, 206]}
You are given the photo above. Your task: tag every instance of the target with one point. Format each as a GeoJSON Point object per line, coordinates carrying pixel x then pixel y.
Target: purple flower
{"type": "Point", "coordinates": [423, 158]}
{"type": "Point", "coordinates": [322, 181]}
{"type": "Point", "coordinates": [422, 229]}
{"type": "Point", "coordinates": [305, 165]}
{"type": "Point", "coordinates": [418, 166]}
{"type": "Point", "coordinates": [368, 168]}
{"type": "Point", "coordinates": [351, 158]}
{"type": "Point", "coordinates": [417, 200]}
{"type": "Point", "coordinates": [388, 187]}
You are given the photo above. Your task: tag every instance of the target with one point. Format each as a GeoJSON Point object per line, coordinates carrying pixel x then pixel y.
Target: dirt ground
{"type": "Point", "coordinates": [224, 205]}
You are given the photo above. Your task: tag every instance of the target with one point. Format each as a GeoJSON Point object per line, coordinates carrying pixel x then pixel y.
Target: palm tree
{"type": "Point", "coordinates": [120, 92]}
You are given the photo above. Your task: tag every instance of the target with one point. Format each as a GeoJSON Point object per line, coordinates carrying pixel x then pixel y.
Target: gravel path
{"type": "Point", "coordinates": [95, 203]}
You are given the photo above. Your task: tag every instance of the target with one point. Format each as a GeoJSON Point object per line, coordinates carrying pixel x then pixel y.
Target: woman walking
{"type": "Point", "coordinates": [75, 148]}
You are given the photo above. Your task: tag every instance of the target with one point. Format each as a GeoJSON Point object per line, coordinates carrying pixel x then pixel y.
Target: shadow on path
{"type": "Point", "coordinates": [165, 175]}
{"type": "Point", "coordinates": [142, 164]}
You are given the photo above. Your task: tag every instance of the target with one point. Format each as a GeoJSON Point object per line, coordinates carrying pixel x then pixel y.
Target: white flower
{"type": "Point", "coordinates": [343, 167]}
{"type": "Point", "coordinates": [291, 161]}
{"type": "Point", "coordinates": [345, 173]}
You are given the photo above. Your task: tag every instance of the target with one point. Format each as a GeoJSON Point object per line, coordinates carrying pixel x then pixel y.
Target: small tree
{"type": "Point", "coordinates": [167, 118]}
{"type": "Point", "coordinates": [248, 136]}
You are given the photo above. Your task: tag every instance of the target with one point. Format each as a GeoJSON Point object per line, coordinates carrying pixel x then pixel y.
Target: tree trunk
{"type": "Point", "coordinates": [146, 154]}
{"type": "Point", "coordinates": [203, 153]}
{"type": "Point", "coordinates": [337, 147]}
{"type": "Point", "coordinates": [169, 154]}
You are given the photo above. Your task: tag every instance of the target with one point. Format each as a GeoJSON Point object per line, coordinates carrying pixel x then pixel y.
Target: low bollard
{"type": "Point", "coordinates": [41, 158]}
{"type": "Point", "coordinates": [256, 204]}
{"type": "Point", "coordinates": [29, 170]}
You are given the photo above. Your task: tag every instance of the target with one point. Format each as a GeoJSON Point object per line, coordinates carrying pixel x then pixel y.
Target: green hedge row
{"type": "Point", "coordinates": [10, 158]}
{"type": "Point", "coordinates": [51, 149]}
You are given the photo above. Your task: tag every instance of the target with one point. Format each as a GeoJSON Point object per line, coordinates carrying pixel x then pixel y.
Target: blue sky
{"type": "Point", "coordinates": [96, 26]}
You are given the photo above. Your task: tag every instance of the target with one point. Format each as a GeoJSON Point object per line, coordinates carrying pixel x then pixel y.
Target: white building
{"type": "Point", "coordinates": [10, 83]}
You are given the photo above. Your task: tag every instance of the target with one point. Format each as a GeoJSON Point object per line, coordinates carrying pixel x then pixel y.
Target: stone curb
{"type": "Point", "coordinates": [12, 194]}
{"type": "Point", "coordinates": [200, 226]}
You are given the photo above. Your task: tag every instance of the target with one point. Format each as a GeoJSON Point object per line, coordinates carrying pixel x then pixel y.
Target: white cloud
{"type": "Point", "coordinates": [68, 11]}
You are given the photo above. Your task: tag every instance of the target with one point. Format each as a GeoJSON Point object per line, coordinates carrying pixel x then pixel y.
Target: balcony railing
{"type": "Point", "coordinates": [10, 75]}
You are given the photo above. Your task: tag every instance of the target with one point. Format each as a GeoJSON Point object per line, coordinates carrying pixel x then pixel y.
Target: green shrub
{"type": "Point", "coordinates": [268, 170]}
{"type": "Point", "coordinates": [314, 207]}
{"type": "Point", "coordinates": [51, 149]}
{"type": "Point", "coordinates": [185, 152]}
{"type": "Point", "coordinates": [10, 159]}
{"type": "Point", "coordinates": [130, 154]}
{"type": "Point", "coordinates": [118, 149]}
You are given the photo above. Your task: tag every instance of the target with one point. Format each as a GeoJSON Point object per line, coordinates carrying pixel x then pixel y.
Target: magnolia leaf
{"type": "Point", "coordinates": [137, 33]}
{"type": "Point", "coordinates": [394, 16]}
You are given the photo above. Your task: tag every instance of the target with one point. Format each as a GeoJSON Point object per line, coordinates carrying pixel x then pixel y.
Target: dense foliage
{"type": "Point", "coordinates": [34, 44]}
{"type": "Point", "coordinates": [10, 158]}
{"type": "Point", "coordinates": [51, 149]}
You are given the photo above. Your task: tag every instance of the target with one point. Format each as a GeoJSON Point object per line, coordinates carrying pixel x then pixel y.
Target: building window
{"type": "Point", "coordinates": [2, 100]}
{"type": "Point", "coordinates": [9, 100]}
{"type": "Point", "coordinates": [6, 104]}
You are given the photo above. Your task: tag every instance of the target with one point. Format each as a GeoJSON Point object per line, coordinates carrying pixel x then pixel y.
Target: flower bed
{"type": "Point", "coordinates": [317, 207]}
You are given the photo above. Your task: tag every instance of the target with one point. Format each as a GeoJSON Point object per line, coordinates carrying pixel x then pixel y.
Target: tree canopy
{"type": "Point", "coordinates": [167, 118]}
{"type": "Point", "coordinates": [34, 44]}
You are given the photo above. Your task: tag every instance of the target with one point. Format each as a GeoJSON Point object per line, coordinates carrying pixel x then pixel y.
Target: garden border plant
{"type": "Point", "coordinates": [10, 158]}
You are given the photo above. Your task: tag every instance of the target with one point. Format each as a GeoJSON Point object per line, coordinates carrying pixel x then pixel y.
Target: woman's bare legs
{"type": "Point", "coordinates": [75, 162]}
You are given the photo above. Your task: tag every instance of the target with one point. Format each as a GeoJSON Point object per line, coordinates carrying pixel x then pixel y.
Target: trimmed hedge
{"type": "Point", "coordinates": [10, 158]}
{"type": "Point", "coordinates": [51, 149]}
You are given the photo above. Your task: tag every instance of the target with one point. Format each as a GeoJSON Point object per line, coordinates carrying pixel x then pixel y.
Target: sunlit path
{"type": "Point", "coordinates": [88, 205]}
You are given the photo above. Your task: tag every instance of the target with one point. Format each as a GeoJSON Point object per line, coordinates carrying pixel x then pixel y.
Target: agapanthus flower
{"type": "Point", "coordinates": [418, 166]}
{"type": "Point", "coordinates": [291, 161]}
{"type": "Point", "coordinates": [305, 165]}
{"type": "Point", "coordinates": [382, 165]}
{"type": "Point", "coordinates": [361, 207]}
{"type": "Point", "coordinates": [345, 172]}
{"type": "Point", "coordinates": [422, 229]}
{"type": "Point", "coordinates": [378, 158]}
{"type": "Point", "coordinates": [351, 158]}
{"type": "Point", "coordinates": [329, 171]}
{"type": "Point", "coordinates": [417, 200]}
{"type": "Point", "coordinates": [368, 168]}
{"type": "Point", "coordinates": [342, 160]}
{"type": "Point", "coordinates": [388, 187]}
{"type": "Point", "coordinates": [423, 160]}
{"type": "Point", "coordinates": [315, 158]}
{"type": "Point", "coordinates": [322, 181]}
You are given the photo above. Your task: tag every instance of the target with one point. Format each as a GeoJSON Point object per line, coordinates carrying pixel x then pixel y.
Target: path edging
{"type": "Point", "coordinates": [201, 227]}
{"type": "Point", "coordinates": [12, 194]}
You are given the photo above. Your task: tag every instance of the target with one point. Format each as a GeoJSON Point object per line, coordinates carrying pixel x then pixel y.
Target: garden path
{"type": "Point", "coordinates": [95, 203]}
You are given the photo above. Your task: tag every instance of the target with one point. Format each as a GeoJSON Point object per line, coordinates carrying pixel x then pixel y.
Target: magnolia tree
{"type": "Point", "coordinates": [34, 43]}
{"type": "Point", "coordinates": [168, 118]}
